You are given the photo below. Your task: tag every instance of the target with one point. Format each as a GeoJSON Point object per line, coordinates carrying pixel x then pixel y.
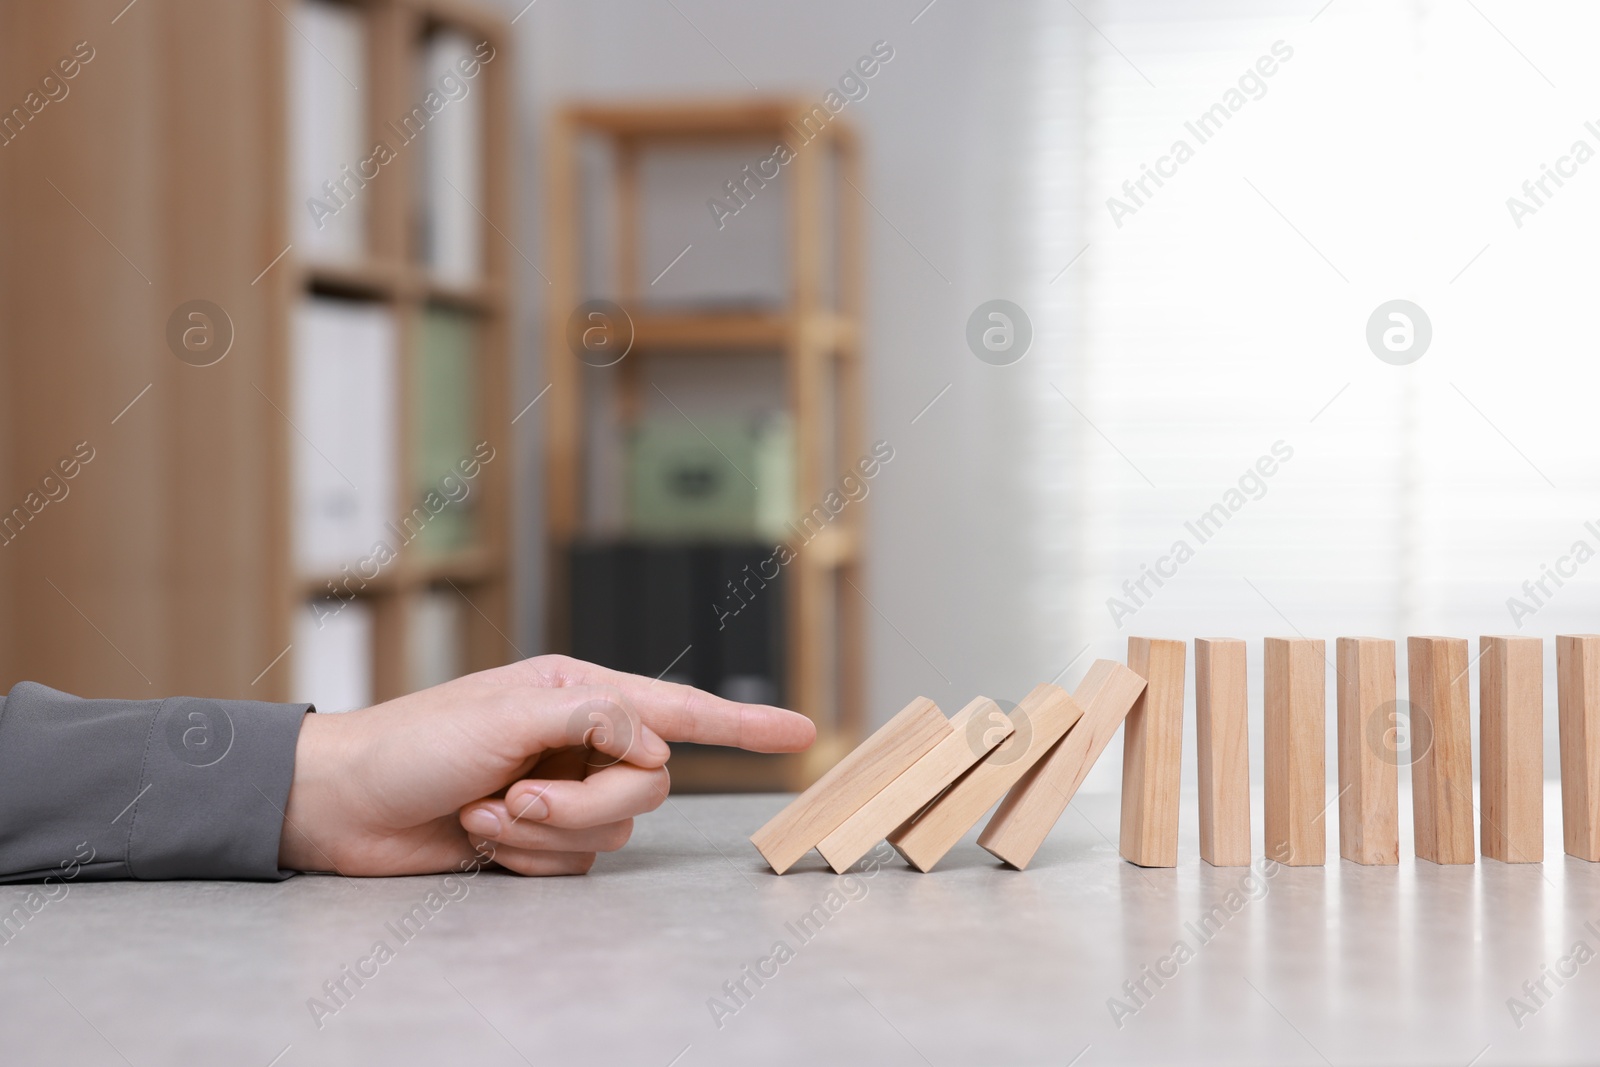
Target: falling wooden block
{"type": "Point", "coordinates": [1295, 718]}
{"type": "Point", "coordinates": [1511, 747]}
{"type": "Point", "coordinates": [1441, 748]}
{"type": "Point", "coordinates": [1369, 778]}
{"type": "Point", "coordinates": [850, 783]}
{"type": "Point", "coordinates": [1033, 805]}
{"type": "Point", "coordinates": [1222, 740]}
{"type": "Point", "coordinates": [1041, 720]}
{"type": "Point", "coordinates": [1152, 754]}
{"type": "Point", "coordinates": [975, 730]}
{"type": "Point", "coordinates": [1578, 701]}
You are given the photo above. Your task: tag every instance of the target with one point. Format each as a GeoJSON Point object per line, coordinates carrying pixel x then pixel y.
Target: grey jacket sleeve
{"type": "Point", "coordinates": [175, 788]}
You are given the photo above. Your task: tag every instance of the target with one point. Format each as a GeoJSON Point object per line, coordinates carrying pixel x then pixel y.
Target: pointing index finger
{"type": "Point", "coordinates": [683, 713]}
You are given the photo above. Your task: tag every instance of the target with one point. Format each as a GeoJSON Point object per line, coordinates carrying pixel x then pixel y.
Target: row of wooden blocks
{"type": "Point", "coordinates": [922, 781]}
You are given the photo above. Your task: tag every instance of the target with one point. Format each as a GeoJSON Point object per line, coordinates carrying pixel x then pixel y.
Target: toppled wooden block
{"type": "Point", "coordinates": [1511, 748]}
{"type": "Point", "coordinates": [1040, 721]}
{"type": "Point", "coordinates": [1222, 738]}
{"type": "Point", "coordinates": [975, 730]}
{"type": "Point", "coordinates": [1441, 748]}
{"type": "Point", "coordinates": [851, 782]}
{"type": "Point", "coordinates": [1033, 805]}
{"type": "Point", "coordinates": [1295, 706]}
{"type": "Point", "coordinates": [1369, 779]}
{"type": "Point", "coordinates": [1152, 754]}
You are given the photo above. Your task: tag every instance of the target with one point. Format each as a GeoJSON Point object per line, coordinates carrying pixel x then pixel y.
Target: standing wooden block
{"type": "Point", "coordinates": [1222, 738]}
{"type": "Point", "coordinates": [1042, 719]}
{"type": "Point", "coordinates": [1033, 805]}
{"type": "Point", "coordinates": [850, 783]}
{"type": "Point", "coordinates": [1578, 700]}
{"type": "Point", "coordinates": [1152, 753]}
{"type": "Point", "coordinates": [1369, 771]}
{"type": "Point", "coordinates": [1441, 748]}
{"type": "Point", "coordinates": [1295, 707]}
{"type": "Point", "coordinates": [1511, 747]}
{"type": "Point", "coordinates": [974, 731]}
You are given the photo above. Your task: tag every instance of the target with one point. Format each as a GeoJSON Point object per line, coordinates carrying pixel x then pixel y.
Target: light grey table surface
{"type": "Point", "coordinates": [973, 964]}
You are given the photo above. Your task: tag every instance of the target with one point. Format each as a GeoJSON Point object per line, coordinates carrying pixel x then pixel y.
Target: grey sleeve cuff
{"type": "Point", "coordinates": [175, 788]}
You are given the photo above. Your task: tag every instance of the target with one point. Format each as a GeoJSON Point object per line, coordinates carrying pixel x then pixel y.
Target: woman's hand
{"type": "Point", "coordinates": [541, 764]}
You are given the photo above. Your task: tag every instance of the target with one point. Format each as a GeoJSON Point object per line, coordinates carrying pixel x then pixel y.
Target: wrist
{"type": "Point", "coordinates": [312, 803]}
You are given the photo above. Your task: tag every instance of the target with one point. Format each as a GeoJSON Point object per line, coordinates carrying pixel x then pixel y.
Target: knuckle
{"type": "Point", "coordinates": [553, 669]}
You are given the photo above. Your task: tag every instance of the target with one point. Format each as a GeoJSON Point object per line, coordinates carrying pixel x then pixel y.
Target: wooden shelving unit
{"type": "Point", "coordinates": [174, 571]}
{"type": "Point", "coordinates": [818, 338]}
{"type": "Point", "coordinates": [393, 276]}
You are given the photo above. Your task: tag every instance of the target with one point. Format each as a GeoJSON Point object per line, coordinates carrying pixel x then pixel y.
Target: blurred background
{"type": "Point", "coordinates": [824, 354]}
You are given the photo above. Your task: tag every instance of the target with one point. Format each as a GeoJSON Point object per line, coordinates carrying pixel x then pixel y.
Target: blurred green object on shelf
{"type": "Point", "coordinates": [443, 399]}
{"type": "Point", "coordinates": [716, 478]}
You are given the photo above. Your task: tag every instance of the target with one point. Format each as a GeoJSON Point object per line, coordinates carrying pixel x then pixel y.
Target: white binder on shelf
{"type": "Point", "coordinates": [343, 406]}
{"type": "Point", "coordinates": [332, 655]}
{"type": "Point", "coordinates": [435, 639]}
{"type": "Point", "coordinates": [451, 188]}
{"type": "Point", "coordinates": [327, 131]}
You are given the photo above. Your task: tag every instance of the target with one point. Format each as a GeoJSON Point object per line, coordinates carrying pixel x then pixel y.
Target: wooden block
{"type": "Point", "coordinates": [1295, 716]}
{"type": "Point", "coordinates": [1041, 720]}
{"type": "Point", "coordinates": [1222, 740]}
{"type": "Point", "coordinates": [1369, 777]}
{"type": "Point", "coordinates": [1578, 702]}
{"type": "Point", "coordinates": [1441, 748]}
{"type": "Point", "coordinates": [1152, 754]}
{"type": "Point", "coordinates": [974, 731]}
{"type": "Point", "coordinates": [850, 783]}
{"type": "Point", "coordinates": [1033, 805]}
{"type": "Point", "coordinates": [1511, 748]}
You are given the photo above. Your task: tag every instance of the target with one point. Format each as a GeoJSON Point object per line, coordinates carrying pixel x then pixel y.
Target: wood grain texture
{"type": "Point", "coordinates": [1152, 754]}
{"type": "Point", "coordinates": [1222, 743]}
{"type": "Point", "coordinates": [176, 541]}
{"type": "Point", "coordinates": [1295, 717]}
{"type": "Point", "coordinates": [974, 731]}
{"type": "Point", "coordinates": [1511, 748]}
{"type": "Point", "coordinates": [1040, 721]}
{"type": "Point", "coordinates": [853, 781]}
{"type": "Point", "coordinates": [1441, 748]}
{"type": "Point", "coordinates": [1578, 700]}
{"type": "Point", "coordinates": [1024, 818]}
{"type": "Point", "coordinates": [1369, 779]}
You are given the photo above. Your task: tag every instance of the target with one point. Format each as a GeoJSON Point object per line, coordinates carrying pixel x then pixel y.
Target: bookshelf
{"type": "Point", "coordinates": [404, 230]}
{"type": "Point", "coordinates": [809, 339]}
{"type": "Point", "coordinates": [371, 350]}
